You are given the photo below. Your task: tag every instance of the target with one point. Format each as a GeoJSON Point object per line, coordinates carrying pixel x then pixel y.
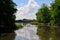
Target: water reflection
{"type": "Point", "coordinates": [48, 32]}
{"type": "Point", "coordinates": [8, 36]}
{"type": "Point", "coordinates": [44, 33]}
{"type": "Point", "coordinates": [28, 32]}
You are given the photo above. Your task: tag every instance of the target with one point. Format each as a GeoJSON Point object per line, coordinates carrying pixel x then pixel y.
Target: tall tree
{"type": "Point", "coordinates": [43, 14]}
{"type": "Point", "coordinates": [55, 14]}
{"type": "Point", "coordinates": [7, 18]}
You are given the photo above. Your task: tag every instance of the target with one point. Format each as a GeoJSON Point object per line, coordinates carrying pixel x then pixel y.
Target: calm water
{"type": "Point", "coordinates": [28, 32]}
{"type": "Point", "coordinates": [32, 32]}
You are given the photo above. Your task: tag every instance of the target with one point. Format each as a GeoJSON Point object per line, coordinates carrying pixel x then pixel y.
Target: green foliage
{"type": "Point", "coordinates": [7, 19]}
{"type": "Point", "coordinates": [43, 14]}
{"type": "Point", "coordinates": [55, 12]}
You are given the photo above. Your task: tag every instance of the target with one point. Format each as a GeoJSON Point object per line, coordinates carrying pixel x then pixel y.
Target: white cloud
{"type": "Point", "coordinates": [27, 11]}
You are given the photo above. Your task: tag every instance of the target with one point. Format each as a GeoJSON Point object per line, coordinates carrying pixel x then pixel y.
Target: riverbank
{"type": "Point", "coordinates": [19, 26]}
{"type": "Point", "coordinates": [34, 23]}
{"type": "Point", "coordinates": [7, 36]}
{"type": "Point", "coordinates": [40, 24]}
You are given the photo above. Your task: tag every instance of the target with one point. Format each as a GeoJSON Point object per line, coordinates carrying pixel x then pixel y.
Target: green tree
{"type": "Point", "coordinates": [52, 13]}
{"type": "Point", "coordinates": [55, 12]}
{"type": "Point", "coordinates": [43, 14]}
{"type": "Point", "coordinates": [57, 8]}
{"type": "Point", "coordinates": [7, 18]}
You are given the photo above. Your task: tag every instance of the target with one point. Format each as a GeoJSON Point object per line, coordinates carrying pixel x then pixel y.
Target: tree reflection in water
{"type": "Point", "coordinates": [48, 32]}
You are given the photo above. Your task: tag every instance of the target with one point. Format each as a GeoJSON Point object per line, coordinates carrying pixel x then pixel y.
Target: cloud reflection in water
{"type": "Point", "coordinates": [27, 33]}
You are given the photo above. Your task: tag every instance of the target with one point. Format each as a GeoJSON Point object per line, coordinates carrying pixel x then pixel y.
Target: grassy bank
{"type": "Point", "coordinates": [39, 24]}
{"type": "Point", "coordinates": [34, 23]}
{"type": "Point", "coordinates": [19, 26]}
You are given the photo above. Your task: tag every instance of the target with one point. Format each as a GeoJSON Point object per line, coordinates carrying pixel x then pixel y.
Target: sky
{"type": "Point", "coordinates": [28, 8]}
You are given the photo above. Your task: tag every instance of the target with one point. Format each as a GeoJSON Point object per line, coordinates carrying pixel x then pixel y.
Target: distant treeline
{"type": "Point", "coordinates": [24, 20]}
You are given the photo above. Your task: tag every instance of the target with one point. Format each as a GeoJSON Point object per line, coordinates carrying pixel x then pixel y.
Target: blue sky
{"type": "Point", "coordinates": [40, 2]}
{"type": "Point", "coordinates": [22, 4]}
{"type": "Point", "coordinates": [19, 2]}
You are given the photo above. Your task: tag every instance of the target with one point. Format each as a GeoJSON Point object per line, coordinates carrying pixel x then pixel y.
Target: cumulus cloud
{"type": "Point", "coordinates": [27, 11]}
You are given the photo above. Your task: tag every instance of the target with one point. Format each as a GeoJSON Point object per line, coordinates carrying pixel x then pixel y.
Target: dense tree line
{"type": "Point", "coordinates": [49, 14]}
{"type": "Point", "coordinates": [7, 17]}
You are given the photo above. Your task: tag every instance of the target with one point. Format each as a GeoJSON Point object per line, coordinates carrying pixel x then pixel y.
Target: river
{"type": "Point", "coordinates": [32, 32]}
{"type": "Point", "coordinates": [28, 32]}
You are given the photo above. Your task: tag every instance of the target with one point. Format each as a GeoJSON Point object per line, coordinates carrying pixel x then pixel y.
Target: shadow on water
{"type": "Point", "coordinates": [8, 36]}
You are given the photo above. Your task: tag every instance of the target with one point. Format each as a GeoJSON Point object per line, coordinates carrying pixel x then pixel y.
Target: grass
{"type": "Point", "coordinates": [34, 23]}
{"type": "Point", "coordinates": [19, 26]}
